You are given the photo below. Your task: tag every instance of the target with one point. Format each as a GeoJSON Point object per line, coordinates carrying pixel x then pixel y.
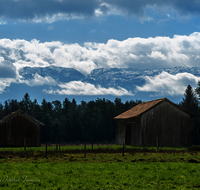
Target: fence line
{"type": "Point", "coordinates": [154, 141]}
{"type": "Point", "coordinates": [19, 142]}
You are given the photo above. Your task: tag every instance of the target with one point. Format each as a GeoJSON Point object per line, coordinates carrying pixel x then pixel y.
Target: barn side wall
{"type": "Point", "coordinates": [166, 122]}
{"type": "Point", "coordinates": [15, 128]}
{"type": "Point", "coordinates": [121, 129]}
{"type": "Point", "coordinates": [135, 131]}
{"type": "Point", "coordinates": [135, 137]}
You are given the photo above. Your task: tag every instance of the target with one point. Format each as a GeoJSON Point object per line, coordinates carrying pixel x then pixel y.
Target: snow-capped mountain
{"type": "Point", "coordinates": [60, 74]}
{"type": "Point", "coordinates": [129, 78]}
{"type": "Point", "coordinates": [127, 83]}
{"type": "Point", "coordinates": [112, 77]}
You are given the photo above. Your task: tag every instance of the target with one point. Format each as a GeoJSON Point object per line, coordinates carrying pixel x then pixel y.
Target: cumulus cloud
{"type": "Point", "coordinates": [80, 88]}
{"type": "Point", "coordinates": [167, 84]}
{"type": "Point", "coordinates": [158, 52]}
{"type": "Point", "coordinates": [53, 10]}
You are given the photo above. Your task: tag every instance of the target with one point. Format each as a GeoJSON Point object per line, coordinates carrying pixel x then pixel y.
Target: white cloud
{"type": "Point", "coordinates": [5, 82]}
{"type": "Point", "coordinates": [158, 52]}
{"type": "Point", "coordinates": [80, 88]}
{"type": "Point", "coordinates": [157, 55]}
{"type": "Point", "coordinates": [39, 81]}
{"type": "Point", "coordinates": [167, 84]}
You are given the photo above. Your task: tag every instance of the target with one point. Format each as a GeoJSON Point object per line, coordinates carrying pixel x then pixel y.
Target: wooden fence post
{"type": "Point", "coordinates": [46, 151]}
{"type": "Point", "coordinates": [123, 147]}
{"type": "Point", "coordinates": [157, 142]}
{"type": "Point", "coordinates": [92, 143]}
{"type": "Point", "coordinates": [56, 144]}
{"type": "Point", "coordinates": [85, 151]}
{"type": "Point", "coordinates": [25, 143]}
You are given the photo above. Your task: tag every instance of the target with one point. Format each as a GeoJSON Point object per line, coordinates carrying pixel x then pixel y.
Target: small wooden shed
{"type": "Point", "coordinates": [19, 128]}
{"type": "Point", "coordinates": [158, 120]}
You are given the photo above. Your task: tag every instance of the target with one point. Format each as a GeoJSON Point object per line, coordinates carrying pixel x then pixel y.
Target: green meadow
{"type": "Point", "coordinates": [147, 170]}
{"type": "Point", "coordinates": [88, 147]}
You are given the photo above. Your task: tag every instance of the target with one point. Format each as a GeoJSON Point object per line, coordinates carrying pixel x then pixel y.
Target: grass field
{"type": "Point", "coordinates": [153, 170]}
{"type": "Point", "coordinates": [53, 147]}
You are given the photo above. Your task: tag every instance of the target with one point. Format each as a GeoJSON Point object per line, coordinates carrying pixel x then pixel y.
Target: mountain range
{"type": "Point", "coordinates": [111, 77]}
{"type": "Point", "coordinates": [128, 79]}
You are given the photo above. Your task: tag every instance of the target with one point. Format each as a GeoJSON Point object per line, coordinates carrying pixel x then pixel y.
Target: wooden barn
{"type": "Point", "coordinates": [155, 121]}
{"type": "Point", "coordinates": [19, 128]}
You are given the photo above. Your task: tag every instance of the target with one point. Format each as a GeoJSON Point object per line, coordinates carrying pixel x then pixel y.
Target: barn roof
{"type": "Point", "coordinates": [20, 112]}
{"type": "Point", "coordinates": [143, 107]}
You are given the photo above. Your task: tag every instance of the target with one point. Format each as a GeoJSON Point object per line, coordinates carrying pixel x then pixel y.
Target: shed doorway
{"type": "Point", "coordinates": [128, 134]}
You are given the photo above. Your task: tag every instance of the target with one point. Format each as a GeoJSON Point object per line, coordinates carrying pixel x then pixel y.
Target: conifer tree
{"type": "Point", "coordinates": [190, 104]}
{"type": "Point", "coordinates": [190, 101]}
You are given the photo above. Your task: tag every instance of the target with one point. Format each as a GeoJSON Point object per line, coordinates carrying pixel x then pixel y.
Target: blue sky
{"type": "Point", "coordinates": [35, 20]}
{"type": "Point", "coordinates": [91, 34]}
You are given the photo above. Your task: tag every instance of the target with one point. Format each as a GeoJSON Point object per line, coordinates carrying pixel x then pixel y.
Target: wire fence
{"type": "Point", "coordinates": [19, 142]}
{"type": "Point", "coordinates": [155, 141]}
{"type": "Point", "coordinates": [158, 142]}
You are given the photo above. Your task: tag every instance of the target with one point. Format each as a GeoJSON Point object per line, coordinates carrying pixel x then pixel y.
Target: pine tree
{"type": "Point", "coordinates": [190, 104]}
{"type": "Point", "coordinates": [197, 90]}
{"type": "Point", "coordinates": [190, 101]}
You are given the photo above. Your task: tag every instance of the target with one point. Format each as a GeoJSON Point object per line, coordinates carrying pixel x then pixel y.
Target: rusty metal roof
{"type": "Point", "coordinates": [20, 112]}
{"type": "Point", "coordinates": [140, 108]}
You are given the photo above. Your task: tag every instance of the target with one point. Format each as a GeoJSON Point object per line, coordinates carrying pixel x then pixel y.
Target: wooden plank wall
{"type": "Point", "coordinates": [14, 129]}
{"type": "Point", "coordinates": [170, 124]}
{"type": "Point", "coordinates": [121, 130]}
{"type": "Point", "coordinates": [135, 130]}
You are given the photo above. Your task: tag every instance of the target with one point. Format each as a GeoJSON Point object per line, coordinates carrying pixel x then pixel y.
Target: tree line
{"type": "Point", "coordinates": [93, 120]}
{"type": "Point", "coordinates": [69, 121]}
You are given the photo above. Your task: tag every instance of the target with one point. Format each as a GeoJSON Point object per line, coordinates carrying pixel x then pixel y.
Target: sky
{"type": "Point", "coordinates": [92, 34]}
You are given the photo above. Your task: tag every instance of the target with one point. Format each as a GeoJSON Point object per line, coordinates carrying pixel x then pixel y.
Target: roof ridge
{"type": "Point", "coordinates": [20, 111]}
{"type": "Point", "coordinates": [140, 108]}
{"type": "Point", "coordinates": [153, 100]}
